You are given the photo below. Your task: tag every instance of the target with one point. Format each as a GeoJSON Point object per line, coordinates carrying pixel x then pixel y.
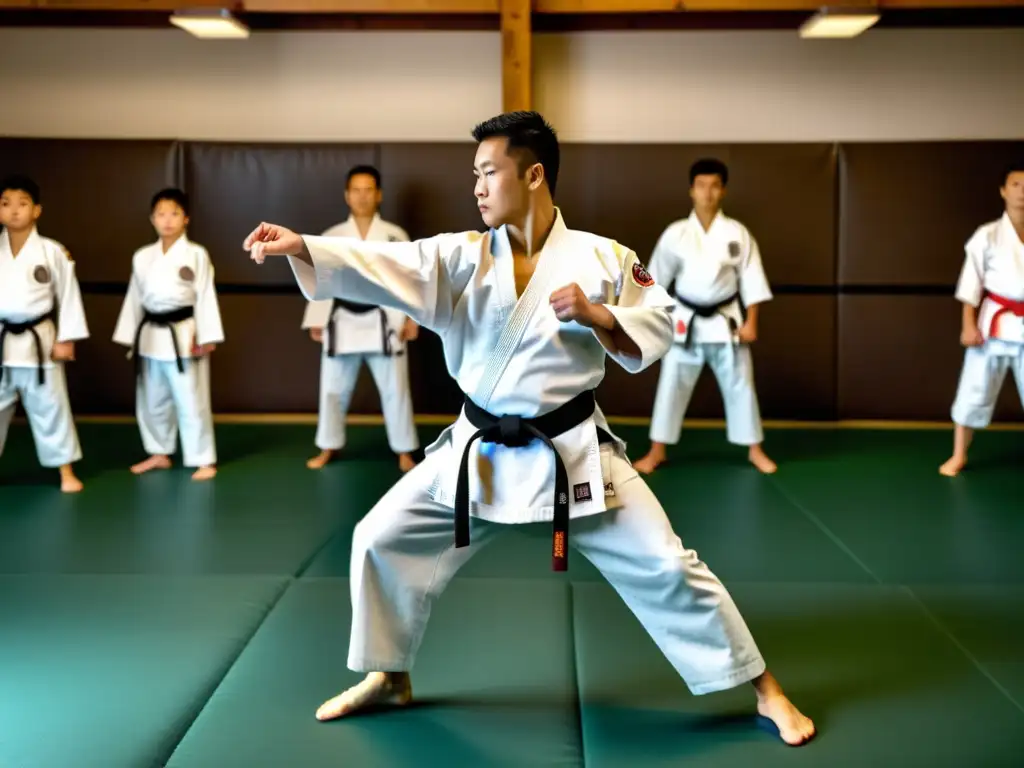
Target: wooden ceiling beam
{"type": "Point", "coordinates": [516, 55]}
{"type": "Point", "coordinates": [269, 6]}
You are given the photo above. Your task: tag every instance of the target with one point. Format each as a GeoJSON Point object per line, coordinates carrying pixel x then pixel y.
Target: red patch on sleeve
{"type": "Point", "coordinates": [641, 276]}
{"type": "Point", "coordinates": [680, 326]}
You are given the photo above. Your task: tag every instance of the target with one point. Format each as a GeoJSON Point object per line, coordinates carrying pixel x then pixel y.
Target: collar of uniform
{"type": "Point", "coordinates": [177, 245]}
{"type": "Point", "coordinates": [500, 240]}
{"type": "Point", "coordinates": [31, 242]}
{"type": "Point", "coordinates": [1010, 231]}
{"type": "Point", "coordinates": [716, 223]}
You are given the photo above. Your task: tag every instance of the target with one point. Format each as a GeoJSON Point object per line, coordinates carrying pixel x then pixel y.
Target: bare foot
{"type": "Point", "coordinates": [650, 462]}
{"type": "Point", "coordinates": [320, 461]}
{"type": "Point", "coordinates": [953, 466]}
{"type": "Point", "coordinates": [760, 460]}
{"type": "Point", "coordinates": [68, 482]}
{"type": "Point", "coordinates": [405, 462]}
{"type": "Point", "coordinates": [378, 688]}
{"type": "Point", "coordinates": [205, 473]}
{"type": "Point", "coordinates": [153, 462]}
{"type": "Point", "coordinates": [794, 727]}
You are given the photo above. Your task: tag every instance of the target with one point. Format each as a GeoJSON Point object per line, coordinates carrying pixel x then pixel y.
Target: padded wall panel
{"type": "Point", "coordinates": [900, 358]}
{"type": "Point", "coordinates": [233, 187]}
{"type": "Point", "coordinates": [631, 193]}
{"type": "Point", "coordinates": [428, 188]}
{"type": "Point", "coordinates": [907, 209]}
{"type": "Point", "coordinates": [101, 380]}
{"type": "Point", "coordinates": [794, 368]}
{"type": "Point", "coordinates": [95, 195]}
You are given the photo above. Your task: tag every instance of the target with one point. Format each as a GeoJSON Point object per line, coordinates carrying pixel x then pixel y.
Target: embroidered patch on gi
{"type": "Point", "coordinates": [609, 490]}
{"type": "Point", "coordinates": [734, 249]}
{"type": "Point", "coordinates": [680, 326]}
{"type": "Point", "coordinates": [392, 239]}
{"type": "Point", "coordinates": [581, 492]}
{"type": "Point", "coordinates": [186, 274]}
{"type": "Point", "coordinates": [641, 276]}
{"type": "Point", "coordinates": [41, 274]}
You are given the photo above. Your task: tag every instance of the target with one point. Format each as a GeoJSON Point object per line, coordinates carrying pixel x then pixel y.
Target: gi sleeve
{"type": "Point", "coordinates": [754, 288]}
{"type": "Point", "coordinates": [316, 314]}
{"type": "Point", "coordinates": [643, 310]}
{"type": "Point", "coordinates": [71, 324]}
{"type": "Point", "coordinates": [970, 287]}
{"type": "Point", "coordinates": [131, 313]}
{"type": "Point", "coordinates": [412, 277]}
{"type": "Point", "coordinates": [209, 327]}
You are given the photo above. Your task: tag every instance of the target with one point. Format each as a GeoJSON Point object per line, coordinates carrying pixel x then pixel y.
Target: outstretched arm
{"type": "Point", "coordinates": [411, 277]}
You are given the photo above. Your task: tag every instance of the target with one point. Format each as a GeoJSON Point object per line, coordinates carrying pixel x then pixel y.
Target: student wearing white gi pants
{"type": "Point", "coordinates": [41, 318]}
{"type": "Point", "coordinates": [171, 321]}
{"type": "Point", "coordinates": [352, 333]}
{"type": "Point", "coordinates": [991, 289]}
{"type": "Point", "coordinates": [527, 313]}
{"type": "Point", "coordinates": [713, 266]}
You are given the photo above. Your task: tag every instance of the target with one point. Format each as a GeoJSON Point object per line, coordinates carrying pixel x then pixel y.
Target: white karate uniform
{"type": "Point", "coordinates": [993, 270]}
{"type": "Point", "coordinates": [39, 279]}
{"type": "Point", "coordinates": [370, 337]}
{"type": "Point", "coordinates": [708, 268]}
{"type": "Point", "coordinates": [169, 399]}
{"type": "Point", "coordinates": [513, 356]}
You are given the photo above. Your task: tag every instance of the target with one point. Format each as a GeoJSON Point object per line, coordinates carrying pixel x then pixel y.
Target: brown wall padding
{"type": "Point", "coordinates": [95, 195]}
{"type": "Point", "coordinates": [830, 220]}
{"type": "Point", "coordinates": [906, 210]}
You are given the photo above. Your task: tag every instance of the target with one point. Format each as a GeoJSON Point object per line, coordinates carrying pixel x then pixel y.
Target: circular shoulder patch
{"type": "Point", "coordinates": [641, 276]}
{"type": "Point", "coordinates": [41, 274]}
{"type": "Point", "coordinates": [734, 249]}
{"type": "Point", "coordinates": [186, 274]}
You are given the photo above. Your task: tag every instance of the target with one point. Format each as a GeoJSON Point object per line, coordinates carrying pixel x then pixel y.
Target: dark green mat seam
{"type": "Point", "coordinates": [227, 669]}
{"type": "Point", "coordinates": [306, 564]}
{"type": "Point", "coordinates": [963, 649]}
{"type": "Point", "coordinates": [913, 596]}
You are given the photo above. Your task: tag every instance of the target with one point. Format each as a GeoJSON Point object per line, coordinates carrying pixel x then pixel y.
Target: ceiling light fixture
{"type": "Point", "coordinates": [839, 22]}
{"type": "Point", "coordinates": [210, 24]}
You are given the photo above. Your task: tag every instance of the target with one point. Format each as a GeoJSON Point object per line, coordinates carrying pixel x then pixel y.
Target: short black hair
{"type": "Point", "coordinates": [1017, 166]}
{"type": "Point", "coordinates": [363, 170]}
{"type": "Point", "coordinates": [19, 183]}
{"type": "Point", "coordinates": [173, 194]}
{"type": "Point", "coordinates": [528, 134]}
{"type": "Point", "coordinates": [710, 166]}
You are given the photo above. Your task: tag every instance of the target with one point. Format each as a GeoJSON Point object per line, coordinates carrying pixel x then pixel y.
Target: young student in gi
{"type": "Point", "coordinates": [171, 320]}
{"type": "Point", "coordinates": [41, 318]}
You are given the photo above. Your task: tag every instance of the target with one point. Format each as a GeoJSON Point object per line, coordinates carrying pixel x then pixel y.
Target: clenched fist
{"type": "Point", "coordinates": [272, 240]}
{"type": "Point", "coordinates": [570, 303]}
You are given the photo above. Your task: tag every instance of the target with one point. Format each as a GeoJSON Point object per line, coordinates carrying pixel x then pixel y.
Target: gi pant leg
{"type": "Point", "coordinates": [168, 401]}
{"type": "Point", "coordinates": [683, 606]}
{"type": "Point", "coordinates": [680, 369]}
{"type": "Point", "coordinates": [338, 377]}
{"type": "Point", "coordinates": [981, 378]}
{"type": "Point", "coordinates": [392, 377]}
{"type": "Point", "coordinates": [48, 410]}
{"type": "Point", "coordinates": [733, 367]}
{"type": "Point", "coordinates": [403, 557]}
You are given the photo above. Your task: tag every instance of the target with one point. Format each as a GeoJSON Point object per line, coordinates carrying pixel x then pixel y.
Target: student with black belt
{"type": "Point", "coordinates": [712, 266]}
{"type": "Point", "coordinates": [171, 321]}
{"type": "Point", "coordinates": [352, 333]}
{"type": "Point", "coordinates": [41, 318]}
{"type": "Point", "coordinates": [528, 313]}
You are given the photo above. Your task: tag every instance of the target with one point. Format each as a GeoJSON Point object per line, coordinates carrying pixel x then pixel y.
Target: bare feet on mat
{"type": "Point", "coordinates": [405, 462]}
{"type": "Point", "coordinates": [760, 460]}
{"type": "Point", "coordinates": [205, 473]}
{"type": "Point", "coordinates": [153, 462]}
{"type": "Point", "coordinates": [68, 482]}
{"type": "Point", "coordinates": [650, 462]}
{"type": "Point", "coordinates": [320, 461]}
{"type": "Point", "coordinates": [378, 688]}
{"type": "Point", "coordinates": [794, 727]}
{"type": "Point", "coordinates": [953, 465]}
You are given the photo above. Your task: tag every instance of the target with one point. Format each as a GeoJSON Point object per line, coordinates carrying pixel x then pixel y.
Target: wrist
{"type": "Point", "coordinates": [601, 317]}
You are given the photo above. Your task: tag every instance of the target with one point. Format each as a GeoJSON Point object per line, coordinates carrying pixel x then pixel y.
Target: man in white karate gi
{"type": "Point", "coordinates": [712, 264]}
{"type": "Point", "coordinates": [41, 318]}
{"type": "Point", "coordinates": [991, 290]}
{"type": "Point", "coordinates": [170, 319]}
{"type": "Point", "coordinates": [353, 333]}
{"type": "Point", "coordinates": [528, 313]}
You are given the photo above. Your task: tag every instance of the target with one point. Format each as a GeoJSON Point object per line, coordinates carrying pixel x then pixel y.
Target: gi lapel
{"type": "Point", "coordinates": [523, 309]}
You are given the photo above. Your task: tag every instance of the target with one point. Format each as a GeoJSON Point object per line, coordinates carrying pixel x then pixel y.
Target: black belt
{"type": "Point", "coordinates": [29, 326]}
{"type": "Point", "coordinates": [710, 310]}
{"type": "Point", "coordinates": [358, 309]}
{"type": "Point", "coordinates": [164, 320]}
{"type": "Point", "coordinates": [516, 432]}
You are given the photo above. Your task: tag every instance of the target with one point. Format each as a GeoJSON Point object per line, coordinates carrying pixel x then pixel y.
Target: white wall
{"type": "Point", "coordinates": [433, 86]}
